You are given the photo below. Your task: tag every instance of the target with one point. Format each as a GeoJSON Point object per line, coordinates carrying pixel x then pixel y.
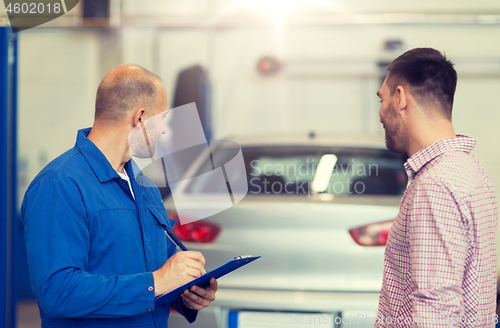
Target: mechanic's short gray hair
{"type": "Point", "coordinates": [122, 92]}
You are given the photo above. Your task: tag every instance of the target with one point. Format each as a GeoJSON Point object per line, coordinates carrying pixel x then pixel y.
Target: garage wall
{"type": "Point", "coordinates": [246, 102]}
{"type": "Point", "coordinates": [58, 76]}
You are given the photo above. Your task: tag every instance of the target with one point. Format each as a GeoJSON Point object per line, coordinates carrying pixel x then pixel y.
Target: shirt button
{"type": "Point", "coordinates": [137, 180]}
{"type": "Point", "coordinates": [123, 183]}
{"type": "Point", "coordinates": [150, 288]}
{"type": "Point", "coordinates": [149, 310]}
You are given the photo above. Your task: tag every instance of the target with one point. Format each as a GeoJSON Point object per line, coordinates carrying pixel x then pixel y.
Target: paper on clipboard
{"type": "Point", "coordinates": [203, 280]}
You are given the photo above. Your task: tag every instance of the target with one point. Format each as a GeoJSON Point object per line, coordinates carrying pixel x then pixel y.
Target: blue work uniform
{"type": "Point", "coordinates": [91, 247]}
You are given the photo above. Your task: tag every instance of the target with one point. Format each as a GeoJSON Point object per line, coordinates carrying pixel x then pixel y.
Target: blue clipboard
{"type": "Point", "coordinates": [203, 280]}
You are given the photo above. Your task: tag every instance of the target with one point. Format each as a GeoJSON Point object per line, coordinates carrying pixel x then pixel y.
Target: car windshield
{"type": "Point", "coordinates": [297, 170]}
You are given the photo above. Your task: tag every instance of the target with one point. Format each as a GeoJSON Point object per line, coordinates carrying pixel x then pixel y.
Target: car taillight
{"type": "Point", "coordinates": [373, 234]}
{"type": "Point", "coordinates": [197, 231]}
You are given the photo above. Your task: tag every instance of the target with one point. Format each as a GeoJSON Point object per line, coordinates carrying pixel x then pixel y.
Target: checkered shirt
{"type": "Point", "coordinates": [440, 258]}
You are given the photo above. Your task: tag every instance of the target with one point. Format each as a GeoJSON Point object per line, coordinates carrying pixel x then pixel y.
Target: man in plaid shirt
{"type": "Point", "coordinates": [440, 259]}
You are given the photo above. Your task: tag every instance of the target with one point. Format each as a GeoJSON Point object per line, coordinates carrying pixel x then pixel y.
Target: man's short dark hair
{"type": "Point", "coordinates": [428, 75]}
{"type": "Point", "coordinates": [124, 92]}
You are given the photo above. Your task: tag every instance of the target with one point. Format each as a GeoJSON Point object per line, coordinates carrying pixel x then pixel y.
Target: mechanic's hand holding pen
{"type": "Point", "coordinates": [179, 244]}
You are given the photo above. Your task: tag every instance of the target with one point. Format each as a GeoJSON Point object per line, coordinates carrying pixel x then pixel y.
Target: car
{"type": "Point", "coordinates": [318, 211]}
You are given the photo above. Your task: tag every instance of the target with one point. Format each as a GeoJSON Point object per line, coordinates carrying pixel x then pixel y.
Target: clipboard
{"type": "Point", "coordinates": [203, 280]}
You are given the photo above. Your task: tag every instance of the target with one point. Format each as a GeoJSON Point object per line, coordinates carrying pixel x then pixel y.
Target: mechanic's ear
{"type": "Point", "coordinates": [139, 116]}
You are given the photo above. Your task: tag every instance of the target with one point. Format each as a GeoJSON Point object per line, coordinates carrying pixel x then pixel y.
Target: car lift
{"type": "Point", "coordinates": [8, 174]}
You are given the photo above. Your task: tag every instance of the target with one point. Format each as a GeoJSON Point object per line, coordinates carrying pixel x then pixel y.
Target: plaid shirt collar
{"type": "Point", "coordinates": [424, 156]}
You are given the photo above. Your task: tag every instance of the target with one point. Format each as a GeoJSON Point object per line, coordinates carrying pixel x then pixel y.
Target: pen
{"type": "Point", "coordinates": [174, 238]}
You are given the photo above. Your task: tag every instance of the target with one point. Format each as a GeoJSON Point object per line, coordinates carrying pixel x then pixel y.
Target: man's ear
{"type": "Point", "coordinates": [139, 116]}
{"type": "Point", "coordinates": [402, 98]}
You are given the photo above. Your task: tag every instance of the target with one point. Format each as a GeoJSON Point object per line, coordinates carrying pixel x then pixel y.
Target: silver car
{"type": "Point", "coordinates": [318, 211]}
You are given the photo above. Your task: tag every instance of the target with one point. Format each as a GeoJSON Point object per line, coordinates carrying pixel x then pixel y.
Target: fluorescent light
{"type": "Point", "coordinates": [323, 172]}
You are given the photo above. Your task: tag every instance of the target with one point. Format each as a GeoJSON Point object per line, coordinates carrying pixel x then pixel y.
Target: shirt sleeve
{"type": "Point", "coordinates": [189, 314]}
{"type": "Point", "coordinates": [438, 248]}
{"type": "Point", "coordinates": [58, 241]}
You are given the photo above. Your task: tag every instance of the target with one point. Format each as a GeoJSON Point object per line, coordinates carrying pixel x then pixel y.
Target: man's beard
{"type": "Point", "coordinates": [390, 138]}
{"type": "Point", "coordinates": [395, 139]}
